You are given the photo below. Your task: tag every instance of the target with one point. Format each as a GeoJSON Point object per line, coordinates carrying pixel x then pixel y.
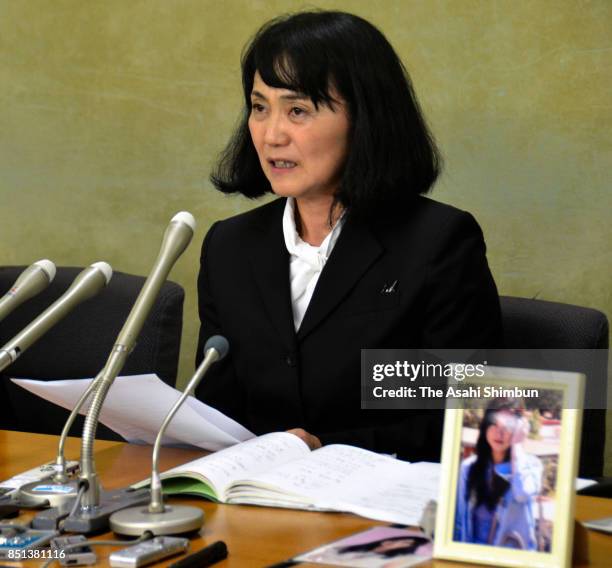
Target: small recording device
{"type": "Point", "coordinates": [149, 551]}
{"type": "Point", "coordinates": [22, 543]}
{"type": "Point", "coordinates": [73, 551]}
{"type": "Point", "coordinates": [9, 487]}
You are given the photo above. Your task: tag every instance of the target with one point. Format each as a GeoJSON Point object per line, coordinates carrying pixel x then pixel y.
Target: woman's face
{"type": "Point", "coordinates": [301, 149]}
{"type": "Point", "coordinates": [499, 434]}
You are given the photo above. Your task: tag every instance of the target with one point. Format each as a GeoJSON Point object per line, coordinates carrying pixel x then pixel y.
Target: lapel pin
{"type": "Point", "coordinates": [389, 289]}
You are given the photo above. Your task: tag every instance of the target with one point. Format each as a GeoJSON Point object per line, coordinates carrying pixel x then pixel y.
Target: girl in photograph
{"type": "Point", "coordinates": [498, 484]}
{"type": "Point", "coordinates": [390, 547]}
{"type": "Point", "coordinates": [384, 552]}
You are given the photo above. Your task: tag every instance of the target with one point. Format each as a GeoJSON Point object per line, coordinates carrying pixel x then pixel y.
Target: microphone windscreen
{"type": "Point", "coordinates": [48, 266]}
{"type": "Point", "coordinates": [185, 217]}
{"type": "Point", "coordinates": [219, 343]}
{"type": "Point", "coordinates": [105, 269]}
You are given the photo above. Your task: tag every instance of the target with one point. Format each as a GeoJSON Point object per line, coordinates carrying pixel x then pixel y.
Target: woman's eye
{"type": "Point", "coordinates": [256, 107]}
{"type": "Point", "coordinates": [297, 111]}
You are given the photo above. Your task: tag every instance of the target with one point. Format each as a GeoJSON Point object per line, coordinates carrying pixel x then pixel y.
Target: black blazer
{"type": "Point", "coordinates": [276, 379]}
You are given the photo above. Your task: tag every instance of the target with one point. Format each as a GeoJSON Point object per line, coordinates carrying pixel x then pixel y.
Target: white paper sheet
{"type": "Point", "coordinates": [582, 483]}
{"type": "Point", "coordinates": [136, 406]}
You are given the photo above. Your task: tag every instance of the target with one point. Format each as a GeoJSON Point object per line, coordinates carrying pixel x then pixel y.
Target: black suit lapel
{"type": "Point", "coordinates": [270, 263]}
{"type": "Point", "coordinates": [354, 253]}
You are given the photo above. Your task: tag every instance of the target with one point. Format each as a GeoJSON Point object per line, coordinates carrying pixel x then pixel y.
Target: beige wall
{"type": "Point", "coordinates": [112, 112]}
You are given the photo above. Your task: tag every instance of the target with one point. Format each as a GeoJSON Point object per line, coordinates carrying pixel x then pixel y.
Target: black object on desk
{"type": "Point", "coordinates": [9, 511]}
{"type": "Point", "coordinates": [603, 488]}
{"type": "Point", "coordinates": [208, 556]}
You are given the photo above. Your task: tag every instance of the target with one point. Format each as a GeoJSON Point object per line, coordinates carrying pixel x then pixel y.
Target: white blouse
{"type": "Point", "coordinates": [306, 261]}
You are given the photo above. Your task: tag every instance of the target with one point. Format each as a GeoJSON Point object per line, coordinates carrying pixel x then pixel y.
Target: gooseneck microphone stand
{"type": "Point", "coordinates": [158, 518]}
{"type": "Point", "coordinates": [61, 490]}
{"type": "Point", "coordinates": [93, 511]}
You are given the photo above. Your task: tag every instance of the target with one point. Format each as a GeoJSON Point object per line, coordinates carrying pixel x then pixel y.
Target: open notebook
{"type": "Point", "coordinates": [279, 470]}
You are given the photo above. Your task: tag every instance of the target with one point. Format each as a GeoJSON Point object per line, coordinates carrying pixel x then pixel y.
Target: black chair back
{"type": "Point", "coordinates": [78, 346]}
{"type": "Point", "coordinates": [537, 324]}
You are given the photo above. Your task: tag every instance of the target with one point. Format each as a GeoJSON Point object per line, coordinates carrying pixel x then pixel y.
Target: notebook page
{"type": "Point", "coordinates": [352, 479]}
{"type": "Point", "coordinates": [396, 496]}
{"type": "Point", "coordinates": [246, 459]}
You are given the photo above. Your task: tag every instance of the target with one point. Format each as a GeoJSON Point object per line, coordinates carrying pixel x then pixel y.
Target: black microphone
{"type": "Point", "coordinates": [33, 280]}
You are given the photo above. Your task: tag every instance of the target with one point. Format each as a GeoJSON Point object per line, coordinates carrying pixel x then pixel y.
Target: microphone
{"type": "Point", "coordinates": [93, 515]}
{"type": "Point", "coordinates": [33, 280]}
{"type": "Point", "coordinates": [158, 518]}
{"type": "Point", "coordinates": [86, 285]}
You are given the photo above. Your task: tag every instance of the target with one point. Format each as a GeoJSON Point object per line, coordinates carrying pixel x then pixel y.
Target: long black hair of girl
{"type": "Point", "coordinates": [410, 548]}
{"type": "Point", "coordinates": [485, 488]}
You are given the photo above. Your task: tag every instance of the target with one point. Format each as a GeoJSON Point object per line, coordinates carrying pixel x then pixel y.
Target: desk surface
{"type": "Point", "coordinates": [255, 536]}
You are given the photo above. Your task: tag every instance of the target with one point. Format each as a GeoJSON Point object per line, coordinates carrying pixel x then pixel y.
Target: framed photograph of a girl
{"type": "Point", "coordinates": [509, 465]}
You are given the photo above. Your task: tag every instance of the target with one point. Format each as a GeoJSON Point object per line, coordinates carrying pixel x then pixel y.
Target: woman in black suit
{"type": "Point", "coordinates": [350, 257]}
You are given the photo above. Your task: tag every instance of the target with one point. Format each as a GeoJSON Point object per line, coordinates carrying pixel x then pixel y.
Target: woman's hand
{"type": "Point", "coordinates": [311, 441]}
{"type": "Point", "coordinates": [521, 429]}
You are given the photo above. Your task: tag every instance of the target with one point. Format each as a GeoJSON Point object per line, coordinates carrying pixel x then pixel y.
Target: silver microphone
{"type": "Point", "coordinates": [158, 518]}
{"type": "Point", "coordinates": [86, 285]}
{"type": "Point", "coordinates": [33, 280]}
{"type": "Point", "coordinates": [176, 238]}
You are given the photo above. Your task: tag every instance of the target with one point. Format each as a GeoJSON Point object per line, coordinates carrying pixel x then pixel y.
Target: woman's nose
{"type": "Point", "coordinates": [276, 132]}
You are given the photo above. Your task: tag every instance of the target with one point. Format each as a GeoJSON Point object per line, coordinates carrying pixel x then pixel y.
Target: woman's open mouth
{"type": "Point", "coordinates": [282, 164]}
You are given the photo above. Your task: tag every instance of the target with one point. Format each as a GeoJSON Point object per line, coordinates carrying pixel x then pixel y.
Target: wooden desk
{"type": "Point", "coordinates": [255, 536]}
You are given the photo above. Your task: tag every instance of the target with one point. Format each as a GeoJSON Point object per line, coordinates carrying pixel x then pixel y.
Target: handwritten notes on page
{"type": "Point", "coordinates": [250, 458]}
{"type": "Point", "coordinates": [346, 478]}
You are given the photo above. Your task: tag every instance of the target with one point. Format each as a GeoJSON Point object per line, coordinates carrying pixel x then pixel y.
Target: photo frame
{"type": "Point", "coordinates": [507, 490]}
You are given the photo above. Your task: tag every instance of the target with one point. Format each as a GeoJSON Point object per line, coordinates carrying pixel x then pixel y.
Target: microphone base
{"type": "Point", "coordinates": [50, 494]}
{"type": "Point", "coordinates": [96, 519]}
{"type": "Point", "coordinates": [176, 519]}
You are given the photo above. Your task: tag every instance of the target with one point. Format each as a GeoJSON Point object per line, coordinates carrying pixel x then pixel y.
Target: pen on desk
{"type": "Point", "coordinates": [206, 557]}
{"type": "Point", "coordinates": [284, 564]}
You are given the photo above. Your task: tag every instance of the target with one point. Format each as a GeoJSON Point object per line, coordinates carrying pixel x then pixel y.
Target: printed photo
{"type": "Point", "coordinates": [506, 486]}
{"type": "Point", "coordinates": [378, 547]}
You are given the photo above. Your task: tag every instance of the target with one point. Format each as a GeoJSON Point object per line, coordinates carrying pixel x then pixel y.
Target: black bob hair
{"type": "Point", "coordinates": [392, 155]}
